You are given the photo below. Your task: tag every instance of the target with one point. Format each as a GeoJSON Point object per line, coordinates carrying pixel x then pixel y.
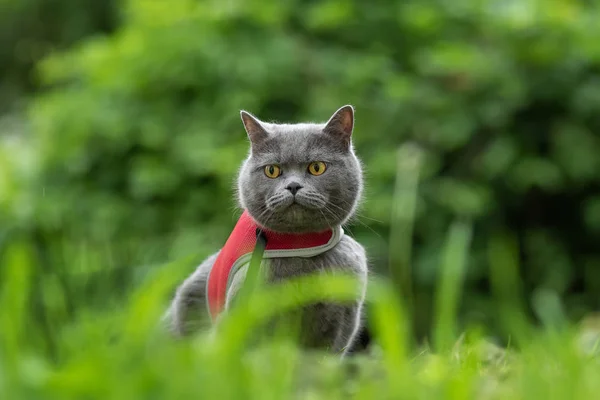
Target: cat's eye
{"type": "Point", "coordinates": [272, 171]}
{"type": "Point", "coordinates": [317, 168]}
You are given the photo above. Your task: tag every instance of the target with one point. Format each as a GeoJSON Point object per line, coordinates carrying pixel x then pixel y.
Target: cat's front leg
{"type": "Point", "coordinates": [188, 308]}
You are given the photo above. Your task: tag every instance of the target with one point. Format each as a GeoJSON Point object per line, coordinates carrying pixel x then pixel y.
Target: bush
{"type": "Point", "coordinates": [32, 29]}
{"type": "Point", "coordinates": [138, 136]}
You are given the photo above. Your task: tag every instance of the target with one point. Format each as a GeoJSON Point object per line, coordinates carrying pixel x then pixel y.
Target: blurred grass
{"type": "Point", "coordinates": [121, 351]}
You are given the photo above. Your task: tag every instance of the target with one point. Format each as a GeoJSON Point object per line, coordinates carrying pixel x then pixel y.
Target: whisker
{"type": "Point", "coordinates": [325, 218]}
{"type": "Point", "coordinates": [357, 218]}
{"type": "Point", "coordinates": [336, 199]}
{"type": "Point", "coordinates": [336, 217]}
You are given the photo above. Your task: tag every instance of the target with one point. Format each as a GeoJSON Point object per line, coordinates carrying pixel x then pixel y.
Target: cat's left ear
{"type": "Point", "coordinates": [256, 132]}
{"type": "Point", "coordinates": [341, 124]}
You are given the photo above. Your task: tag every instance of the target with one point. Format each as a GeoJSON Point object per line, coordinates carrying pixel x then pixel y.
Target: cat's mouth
{"type": "Point", "coordinates": [281, 203]}
{"type": "Point", "coordinates": [302, 212]}
{"type": "Point", "coordinates": [295, 205]}
{"type": "Point", "coordinates": [307, 204]}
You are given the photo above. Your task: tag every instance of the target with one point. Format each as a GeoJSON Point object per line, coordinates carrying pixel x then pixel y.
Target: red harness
{"type": "Point", "coordinates": [240, 245]}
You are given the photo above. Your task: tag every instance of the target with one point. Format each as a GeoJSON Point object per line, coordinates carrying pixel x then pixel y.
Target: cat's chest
{"type": "Point", "coordinates": [282, 268]}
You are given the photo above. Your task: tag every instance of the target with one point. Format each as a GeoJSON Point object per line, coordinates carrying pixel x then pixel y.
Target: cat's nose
{"type": "Point", "coordinates": [293, 187]}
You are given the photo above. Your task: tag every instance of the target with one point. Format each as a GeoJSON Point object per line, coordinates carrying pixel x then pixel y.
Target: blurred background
{"type": "Point", "coordinates": [120, 137]}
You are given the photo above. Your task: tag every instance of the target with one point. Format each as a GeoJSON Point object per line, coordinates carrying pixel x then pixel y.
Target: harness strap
{"type": "Point", "coordinates": [247, 245]}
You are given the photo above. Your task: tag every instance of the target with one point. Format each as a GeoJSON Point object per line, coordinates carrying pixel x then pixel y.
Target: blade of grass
{"type": "Point", "coordinates": [16, 270]}
{"type": "Point", "coordinates": [254, 274]}
{"type": "Point", "coordinates": [450, 284]}
{"type": "Point", "coordinates": [402, 222]}
{"type": "Point", "coordinates": [506, 287]}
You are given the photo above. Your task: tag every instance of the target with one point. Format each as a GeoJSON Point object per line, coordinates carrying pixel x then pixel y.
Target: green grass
{"type": "Point", "coordinates": [123, 354]}
{"type": "Point", "coordinates": [58, 344]}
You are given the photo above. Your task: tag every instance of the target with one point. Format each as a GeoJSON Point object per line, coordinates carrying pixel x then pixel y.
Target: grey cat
{"type": "Point", "coordinates": [292, 200]}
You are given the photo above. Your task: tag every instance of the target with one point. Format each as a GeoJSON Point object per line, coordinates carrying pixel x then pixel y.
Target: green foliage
{"type": "Point", "coordinates": [137, 139]}
{"type": "Point", "coordinates": [32, 29]}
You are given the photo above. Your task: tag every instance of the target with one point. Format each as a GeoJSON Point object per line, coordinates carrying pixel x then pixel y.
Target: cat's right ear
{"type": "Point", "coordinates": [256, 132]}
{"type": "Point", "coordinates": [341, 124]}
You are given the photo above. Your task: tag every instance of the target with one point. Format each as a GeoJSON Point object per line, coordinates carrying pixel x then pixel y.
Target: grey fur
{"type": "Point", "coordinates": [323, 201]}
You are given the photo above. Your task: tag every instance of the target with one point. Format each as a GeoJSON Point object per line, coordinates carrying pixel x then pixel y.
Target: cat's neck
{"type": "Point", "coordinates": [274, 232]}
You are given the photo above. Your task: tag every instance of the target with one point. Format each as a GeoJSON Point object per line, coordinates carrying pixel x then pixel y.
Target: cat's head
{"type": "Point", "coordinates": [300, 177]}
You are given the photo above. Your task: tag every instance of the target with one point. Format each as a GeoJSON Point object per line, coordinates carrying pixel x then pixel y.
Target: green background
{"type": "Point", "coordinates": [120, 137]}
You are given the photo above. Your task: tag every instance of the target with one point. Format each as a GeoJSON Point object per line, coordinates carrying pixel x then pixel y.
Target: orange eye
{"type": "Point", "coordinates": [272, 171]}
{"type": "Point", "coordinates": [317, 168]}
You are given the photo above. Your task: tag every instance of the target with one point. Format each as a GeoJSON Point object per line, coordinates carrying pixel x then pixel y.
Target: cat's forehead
{"type": "Point", "coordinates": [296, 144]}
